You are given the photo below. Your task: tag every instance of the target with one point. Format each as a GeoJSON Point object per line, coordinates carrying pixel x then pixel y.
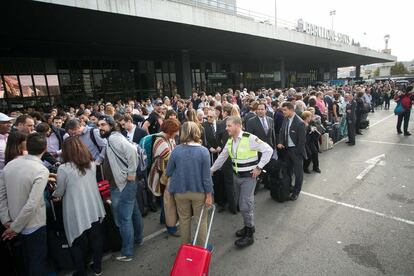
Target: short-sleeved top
{"type": "Point", "coordinates": [154, 126]}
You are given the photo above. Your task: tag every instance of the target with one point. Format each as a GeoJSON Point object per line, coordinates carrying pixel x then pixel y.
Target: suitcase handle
{"type": "Point", "coordinates": [209, 225]}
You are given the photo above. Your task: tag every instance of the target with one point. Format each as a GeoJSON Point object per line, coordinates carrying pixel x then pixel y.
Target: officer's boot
{"type": "Point", "coordinates": [247, 240]}
{"type": "Point", "coordinates": [242, 232]}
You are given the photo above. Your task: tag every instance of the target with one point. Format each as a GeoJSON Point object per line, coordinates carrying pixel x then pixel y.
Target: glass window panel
{"type": "Point", "coordinates": [12, 86]}
{"type": "Point", "coordinates": [116, 65]}
{"type": "Point", "coordinates": [166, 79]}
{"type": "Point", "coordinates": [1, 88]}
{"type": "Point", "coordinates": [27, 86]}
{"type": "Point", "coordinates": [38, 66]}
{"type": "Point", "coordinates": [22, 65]}
{"type": "Point", "coordinates": [50, 65]}
{"type": "Point", "coordinates": [53, 84]}
{"type": "Point", "coordinates": [150, 66]}
{"type": "Point", "coordinates": [172, 67]}
{"type": "Point", "coordinates": [63, 66]}
{"type": "Point", "coordinates": [158, 65]}
{"type": "Point", "coordinates": [165, 66]}
{"type": "Point", "coordinates": [142, 64]}
{"type": "Point", "coordinates": [97, 81]}
{"type": "Point", "coordinates": [40, 84]}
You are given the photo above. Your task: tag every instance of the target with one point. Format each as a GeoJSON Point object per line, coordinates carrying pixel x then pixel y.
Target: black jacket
{"type": "Point", "coordinates": [254, 126]}
{"type": "Point", "coordinates": [211, 137]}
{"type": "Point", "coordinates": [297, 133]}
{"type": "Point", "coordinates": [139, 133]}
{"type": "Point", "coordinates": [59, 132]}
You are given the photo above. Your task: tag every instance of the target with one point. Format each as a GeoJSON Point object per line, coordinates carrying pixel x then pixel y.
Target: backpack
{"type": "Point", "coordinates": [146, 145]}
{"type": "Point", "coordinates": [93, 138]}
{"type": "Point", "coordinates": [406, 102]}
{"type": "Point", "coordinates": [142, 160]}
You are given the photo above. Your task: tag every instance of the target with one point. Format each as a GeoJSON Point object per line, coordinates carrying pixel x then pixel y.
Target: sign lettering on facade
{"type": "Point", "coordinates": [322, 32]}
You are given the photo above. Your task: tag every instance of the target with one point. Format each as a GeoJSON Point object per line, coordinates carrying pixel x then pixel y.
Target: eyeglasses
{"type": "Point", "coordinates": [210, 116]}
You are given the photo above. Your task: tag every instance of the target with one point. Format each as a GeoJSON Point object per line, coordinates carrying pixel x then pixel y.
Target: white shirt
{"type": "Point", "coordinates": [290, 141]}
{"type": "Point", "coordinates": [130, 135]}
{"type": "Point", "coordinates": [52, 143]}
{"type": "Point", "coordinates": [3, 141]}
{"type": "Point", "coordinates": [255, 144]}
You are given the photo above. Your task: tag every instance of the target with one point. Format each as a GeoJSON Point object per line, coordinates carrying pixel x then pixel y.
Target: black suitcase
{"type": "Point", "coordinates": [279, 181]}
{"type": "Point", "coordinates": [58, 247]}
{"type": "Point", "coordinates": [112, 241]}
{"type": "Point", "coordinates": [364, 124]}
{"type": "Point", "coordinates": [334, 132]}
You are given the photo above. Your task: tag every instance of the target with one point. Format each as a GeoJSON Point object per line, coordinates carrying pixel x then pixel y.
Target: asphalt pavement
{"type": "Point", "coordinates": [355, 218]}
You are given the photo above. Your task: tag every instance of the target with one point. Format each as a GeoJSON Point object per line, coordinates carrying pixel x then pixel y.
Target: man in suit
{"type": "Point", "coordinates": [350, 118]}
{"type": "Point", "coordinates": [292, 139]}
{"type": "Point", "coordinates": [133, 133]}
{"type": "Point", "coordinates": [227, 169]}
{"type": "Point", "coordinates": [262, 126]}
{"type": "Point", "coordinates": [252, 112]}
{"type": "Point", "coordinates": [213, 146]}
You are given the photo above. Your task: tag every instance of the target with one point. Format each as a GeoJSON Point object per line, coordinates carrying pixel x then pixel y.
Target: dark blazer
{"type": "Point", "coordinates": [139, 133]}
{"type": "Point", "coordinates": [59, 132]}
{"type": "Point", "coordinates": [351, 116]}
{"type": "Point", "coordinates": [247, 117]}
{"type": "Point", "coordinates": [254, 126]}
{"type": "Point", "coordinates": [222, 135]}
{"type": "Point", "coordinates": [211, 137]}
{"type": "Point", "coordinates": [297, 133]}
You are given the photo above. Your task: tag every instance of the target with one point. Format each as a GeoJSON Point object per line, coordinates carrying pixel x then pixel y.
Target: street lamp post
{"type": "Point", "coordinates": [332, 13]}
{"type": "Point", "coordinates": [275, 15]}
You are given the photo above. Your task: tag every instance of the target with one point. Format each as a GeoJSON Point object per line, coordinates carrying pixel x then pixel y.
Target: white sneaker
{"type": "Point", "coordinates": [124, 258]}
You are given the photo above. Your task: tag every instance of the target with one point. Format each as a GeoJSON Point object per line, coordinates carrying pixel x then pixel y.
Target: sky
{"type": "Point", "coordinates": [366, 21]}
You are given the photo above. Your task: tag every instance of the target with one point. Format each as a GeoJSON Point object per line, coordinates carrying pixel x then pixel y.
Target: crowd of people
{"type": "Point", "coordinates": [173, 154]}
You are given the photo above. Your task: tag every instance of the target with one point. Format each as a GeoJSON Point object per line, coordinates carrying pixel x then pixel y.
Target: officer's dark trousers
{"type": "Point", "coordinates": [295, 166]}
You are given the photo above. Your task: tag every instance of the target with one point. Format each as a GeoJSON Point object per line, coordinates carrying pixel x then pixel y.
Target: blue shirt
{"type": "Point", "coordinates": [290, 141]}
{"type": "Point", "coordinates": [189, 170]}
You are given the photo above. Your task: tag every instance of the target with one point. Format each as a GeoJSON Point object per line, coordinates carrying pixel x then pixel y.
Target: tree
{"type": "Point", "coordinates": [398, 69]}
{"type": "Point", "coordinates": [376, 72]}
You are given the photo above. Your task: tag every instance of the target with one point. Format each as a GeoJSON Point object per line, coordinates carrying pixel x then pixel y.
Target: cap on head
{"type": "Point", "coordinates": [5, 118]}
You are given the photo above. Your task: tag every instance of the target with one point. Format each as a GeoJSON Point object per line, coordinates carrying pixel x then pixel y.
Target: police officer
{"type": "Point", "coordinates": [243, 148]}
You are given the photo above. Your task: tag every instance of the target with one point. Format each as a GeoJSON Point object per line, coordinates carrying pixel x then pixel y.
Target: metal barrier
{"type": "Point", "coordinates": [222, 7]}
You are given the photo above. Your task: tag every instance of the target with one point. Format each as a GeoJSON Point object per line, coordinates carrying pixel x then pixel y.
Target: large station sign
{"type": "Point", "coordinates": [322, 32]}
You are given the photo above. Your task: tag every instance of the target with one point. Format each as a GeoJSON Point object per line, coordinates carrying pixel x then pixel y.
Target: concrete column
{"type": "Point", "coordinates": [282, 73]}
{"type": "Point", "coordinates": [358, 71]}
{"type": "Point", "coordinates": [334, 73]}
{"type": "Point", "coordinates": [183, 70]}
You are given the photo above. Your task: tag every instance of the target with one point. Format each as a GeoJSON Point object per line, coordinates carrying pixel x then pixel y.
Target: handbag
{"type": "Point", "coordinates": [103, 187]}
{"type": "Point", "coordinates": [399, 109]}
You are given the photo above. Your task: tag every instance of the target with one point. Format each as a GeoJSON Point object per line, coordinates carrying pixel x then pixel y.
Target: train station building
{"type": "Point", "coordinates": [69, 51]}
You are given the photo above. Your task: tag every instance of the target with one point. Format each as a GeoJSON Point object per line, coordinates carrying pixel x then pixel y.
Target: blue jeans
{"type": "Point", "coordinates": [34, 247]}
{"type": "Point", "coordinates": [127, 217]}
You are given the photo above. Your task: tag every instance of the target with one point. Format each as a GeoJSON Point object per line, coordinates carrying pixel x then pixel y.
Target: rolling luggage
{"type": "Point", "coordinates": [58, 247]}
{"type": "Point", "coordinates": [334, 132]}
{"type": "Point", "coordinates": [279, 181]}
{"type": "Point", "coordinates": [191, 259]}
{"type": "Point", "coordinates": [364, 124]}
{"type": "Point", "coordinates": [112, 241]}
{"type": "Point", "coordinates": [326, 142]}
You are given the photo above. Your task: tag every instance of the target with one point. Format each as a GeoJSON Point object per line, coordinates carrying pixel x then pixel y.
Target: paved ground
{"type": "Point", "coordinates": [340, 225]}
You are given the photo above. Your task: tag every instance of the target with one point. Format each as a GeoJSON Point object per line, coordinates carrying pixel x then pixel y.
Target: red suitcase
{"type": "Point", "coordinates": [194, 260]}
